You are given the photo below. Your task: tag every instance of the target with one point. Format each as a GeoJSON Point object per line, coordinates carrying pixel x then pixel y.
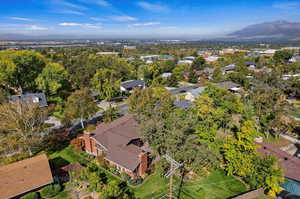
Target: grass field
{"type": "Point", "coordinates": [215, 186]}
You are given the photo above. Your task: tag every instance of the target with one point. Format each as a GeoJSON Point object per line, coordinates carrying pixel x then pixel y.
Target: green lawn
{"type": "Point", "coordinates": [65, 157]}
{"type": "Point", "coordinates": [215, 186]}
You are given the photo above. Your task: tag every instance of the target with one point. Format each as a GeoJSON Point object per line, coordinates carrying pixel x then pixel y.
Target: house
{"type": "Point", "coordinates": [211, 59]}
{"type": "Point", "coordinates": [120, 145]}
{"type": "Point", "coordinates": [229, 68]}
{"type": "Point", "coordinates": [294, 59]}
{"type": "Point", "coordinates": [191, 58]}
{"type": "Point", "coordinates": [290, 165]}
{"type": "Point", "coordinates": [268, 53]}
{"type": "Point", "coordinates": [288, 76]}
{"type": "Point", "coordinates": [229, 85]}
{"type": "Point", "coordinates": [189, 62]}
{"type": "Point", "coordinates": [129, 47]}
{"type": "Point", "coordinates": [250, 64]}
{"type": "Point", "coordinates": [34, 98]}
{"type": "Point", "coordinates": [27, 175]}
{"type": "Point", "coordinates": [166, 75]}
{"type": "Point", "coordinates": [149, 58]}
{"type": "Point", "coordinates": [194, 93]}
{"type": "Point", "coordinates": [129, 85]}
{"type": "Point", "coordinates": [182, 90]}
{"type": "Point", "coordinates": [182, 103]}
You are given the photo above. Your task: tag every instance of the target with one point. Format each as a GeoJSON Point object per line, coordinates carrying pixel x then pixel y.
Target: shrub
{"type": "Point", "coordinates": [32, 195]}
{"type": "Point", "coordinates": [50, 191]}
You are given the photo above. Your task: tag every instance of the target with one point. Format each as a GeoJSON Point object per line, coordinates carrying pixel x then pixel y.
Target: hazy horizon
{"type": "Point", "coordinates": [138, 19]}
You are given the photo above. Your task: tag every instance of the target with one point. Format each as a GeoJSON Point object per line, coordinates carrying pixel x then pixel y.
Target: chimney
{"type": "Point", "coordinates": [143, 157]}
{"type": "Point", "coordinates": [87, 141]}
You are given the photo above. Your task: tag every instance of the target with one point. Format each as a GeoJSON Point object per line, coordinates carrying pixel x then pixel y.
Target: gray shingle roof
{"type": "Point", "coordinates": [229, 67]}
{"type": "Point", "coordinates": [177, 91]}
{"type": "Point", "coordinates": [31, 98]}
{"type": "Point", "coordinates": [133, 84]}
{"type": "Point", "coordinates": [182, 103]}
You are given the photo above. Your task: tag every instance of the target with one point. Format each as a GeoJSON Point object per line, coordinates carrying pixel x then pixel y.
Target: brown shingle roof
{"type": "Point", "coordinates": [25, 175]}
{"type": "Point", "coordinates": [227, 84]}
{"type": "Point", "coordinates": [116, 137]}
{"type": "Point", "coordinates": [289, 163]}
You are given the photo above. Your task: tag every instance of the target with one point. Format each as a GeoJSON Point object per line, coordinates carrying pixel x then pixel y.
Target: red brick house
{"type": "Point", "coordinates": [120, 144]}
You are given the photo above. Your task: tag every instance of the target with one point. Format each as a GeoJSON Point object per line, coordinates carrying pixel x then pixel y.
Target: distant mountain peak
{"type": "Point", "coordinates": [280, 29]}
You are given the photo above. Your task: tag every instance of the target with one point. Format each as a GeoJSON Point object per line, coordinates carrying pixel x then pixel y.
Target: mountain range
{"type": "Point", "coordinates": [276, 30]}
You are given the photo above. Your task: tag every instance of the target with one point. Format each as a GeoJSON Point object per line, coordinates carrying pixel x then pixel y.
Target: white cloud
{"type": "Point", "coordinates": [73, 12]}
{"type": "Point", "coordinates": [35, 27]}
{"type": "Point", "coordinates": [286, 5]}
{"type": "Point", "coordinates": [68, 4]}
{"type": "Point", "coordinates": [153, 7]}
{"type": "Point", "coordinates": [145, 24]}
{"type": "Point", "coordinates": [123, 18]}
{"type": "Point", "coordinates": [72, 24]}
{"type": "Point", "coordinates": [20, 18]}
{"type": "Point", "coordinates": [97, 19]}
{"type": "Point", "coordinates": [103, 3]}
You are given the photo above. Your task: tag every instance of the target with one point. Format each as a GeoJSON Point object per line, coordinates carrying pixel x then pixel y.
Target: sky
{"type": "Point", "coordinates": [168, 19]}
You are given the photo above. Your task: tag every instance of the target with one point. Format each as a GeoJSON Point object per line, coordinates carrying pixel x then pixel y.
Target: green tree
{"type": "Point", "coordinates": [198, 63]}
{"type": "Point", "coordinates": [52, 79]}
{"type": "Point", "coordinates": [19, 69]}
{"type": "Point", "coordinates": [80, 104]}
{"type": "Point", "coordinates": [217, 75]}
{"type": "Point", "coordinates": [282, 56]}
{"type": "Point", "coordinates": [106, 82]}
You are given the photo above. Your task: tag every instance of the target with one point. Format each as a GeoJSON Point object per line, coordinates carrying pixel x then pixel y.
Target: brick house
{"type": "Point", "coordinates": [120, 145]}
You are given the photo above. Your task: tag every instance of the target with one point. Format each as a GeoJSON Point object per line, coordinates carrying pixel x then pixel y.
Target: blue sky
{"type": "Point", "coordinates": [140, 18]}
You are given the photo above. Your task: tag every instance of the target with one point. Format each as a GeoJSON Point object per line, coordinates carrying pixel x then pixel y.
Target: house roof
{"type": "Point", "coordinates": [229, 67]}
{"type": "Point", "coordinates": [289, 163]}
{"type": "Point", "coordinates": [115, 138]}
{"type": "Point", "coordinates": [31, 98]}
{"type": "Point", "coordinates": [182, 103]}
{"type": "Point", "coordinates": [250, 63]}
{"type": "Point", "coordinates": [196, 92]}
{"type": "Point", "coordinates": [182, 90]}
{"type": "Point", "coordinates": [227, 84]}
{"type": "Point", "coordinates": [25, 175]}
{"type": "Point", "coordinates": [133, 83]}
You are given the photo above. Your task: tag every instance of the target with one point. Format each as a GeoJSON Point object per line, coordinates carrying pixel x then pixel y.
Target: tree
{"type": "Point", "coordinates": [217, 75]}
{"type": "Point", "coordinates": [198, 63]}
{"type": "Point", "coordinates": [267, 174]}
{"type": "Point", "coordinates": [239, 150]}
{"type": "Point", "coordinates": [110, 114]}
{"type": "Point", "coordinates": [80, 104]}
{"type": "Point", "coordinates": [106, 82]}
{"type": "Point", "coordinates": [52, 79]}
{"type": "Point", "coordinates": [114, 190]}
{"type": "Point", "coordinates": [282, 56]}
{"type": "Point", "coordinates": [4, 95]}
{"type": "Point", "coordinates": [22, 125]}
{"type": "Point", "coordinates": [19, 69]}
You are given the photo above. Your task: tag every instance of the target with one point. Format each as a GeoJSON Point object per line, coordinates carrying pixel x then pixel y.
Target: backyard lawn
{"type": "Point", "coordinates": [65, 157]}
{"type": "Point", "coordinates": [215, 186]}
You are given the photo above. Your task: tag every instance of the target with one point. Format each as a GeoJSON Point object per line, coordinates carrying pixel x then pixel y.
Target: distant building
{"type": "Point", "coordinates": [129, 85]}
{"type": "Point", "coordinates": [288, 76]}
{"type": "Point", "coordinates": [211, 59]}
{"type": "Point", "coordinates": [294, 59]}
{"type": "Point", "coordinates": [192, 95]}
{"type": "Point", "coordinates": [191, 58]}
{"type": "Point", "coordinates": [33, 98]}
{"type": "Point", "coordinates": [268, 53]}
{"type": "Point", "coordinates": [189, 62]}
{"type": "Point", "coordinates": [250, 64]}
{"type": "Point", "coordinates": [107, 53]}
{"type": "Point", "coordinates": [130, 47]}
{"type": "Point", "coordinates": [27, 175]}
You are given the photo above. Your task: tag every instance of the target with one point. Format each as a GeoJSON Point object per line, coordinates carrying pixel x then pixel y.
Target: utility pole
{"type": "Point", "coordinates": [174, 166]}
